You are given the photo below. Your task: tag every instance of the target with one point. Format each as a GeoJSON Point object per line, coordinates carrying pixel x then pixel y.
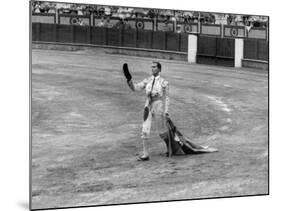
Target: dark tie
{"type": "Point", "coordinates": [152, 85]}
{"type": "Point", "coordinates": [150, 95]}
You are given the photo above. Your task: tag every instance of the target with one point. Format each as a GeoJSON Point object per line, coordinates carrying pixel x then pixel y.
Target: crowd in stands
{"type": "Point", "coordinates": [167, 15]}
{"type": "Point", "coordinates": [122, 23]}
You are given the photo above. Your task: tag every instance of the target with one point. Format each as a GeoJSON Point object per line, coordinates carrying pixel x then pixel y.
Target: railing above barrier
{"type": "Point", "coordinates": [217, 30]}
{"type": "Point", "coordinates": [73, 19]}
{"type": "Point", "coordinates": [211, 29]}
{"type": "Point", "coordinates": [167, 26]}
{"type": "Point", "coordinates": [186, 27]}
{"type": "Point", "coordinates": [257, 33]}
{"type": "Point", "coordinates": [43, 18]}
{"type": "Point", "coordinates": [245, 32]}
{"type": "Point", "coordinates": [234, 31]}
{"type": "Point", "coordinates": [128, 23]}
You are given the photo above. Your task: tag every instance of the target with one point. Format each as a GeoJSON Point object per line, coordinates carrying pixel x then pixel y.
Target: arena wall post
{"type": "Point", "coordinates": [239, 52]}
{"type": "Point", "coordinates": [192, 48]}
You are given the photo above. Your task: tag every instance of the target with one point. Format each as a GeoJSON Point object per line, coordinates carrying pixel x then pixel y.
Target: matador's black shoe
{"type": "Point", "coordinates": [143, 158]}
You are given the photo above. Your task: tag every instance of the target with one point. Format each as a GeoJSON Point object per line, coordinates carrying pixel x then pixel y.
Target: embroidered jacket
{"type": "Point", "coordinates": [156, 89]}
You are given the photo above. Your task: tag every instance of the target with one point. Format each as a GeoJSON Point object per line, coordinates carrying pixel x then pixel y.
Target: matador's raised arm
{"type": "Point", "coordinates": [133, 86]}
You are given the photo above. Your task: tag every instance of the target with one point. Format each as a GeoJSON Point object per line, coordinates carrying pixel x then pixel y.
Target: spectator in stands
{"type": "Point", "coordinates": [37, 7]}
{"type": "Point", "coordinates": [224, 19]}
{"type": "Point", "coordinates": [264, 21]}
{"type": "Point", "coordinates": [129, 12]}
{"type": "Point", "coordinates": [107, 11]}
{"type": "Point", "coordinates": [229, 19]}
{"type": "Point", "coordinates": [234, 20]}
{"type": "Point", "coordinates": [73, 9]}
{"type": "Point", "coordinates": [239, 20]}
{"type": "Point", "coordinates": [94, 10]}
{"type": "Point", "coordinates": [136, 13]}
{"type": "Point", "coordinates": [52, 9]}
{"type": "Point", "coordinates": [90, 9]}
{"type": "Point", "coordinates": [194, 19]}
{"type": "Point", "coordinates": [79, 10]}
{"type": "Point", "coordinates": [44, 7]}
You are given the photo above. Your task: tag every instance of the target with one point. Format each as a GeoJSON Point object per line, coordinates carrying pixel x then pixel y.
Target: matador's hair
{"type": "Point", "coordinates": [158, 65]}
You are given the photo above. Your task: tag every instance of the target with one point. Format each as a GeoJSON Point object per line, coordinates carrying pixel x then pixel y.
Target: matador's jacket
{"type": "Point", "coordinates": [156, 104]}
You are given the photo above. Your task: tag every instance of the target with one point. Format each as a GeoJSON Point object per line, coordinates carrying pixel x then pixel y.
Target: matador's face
{"type": "Point", "coordinates": [155, 69]}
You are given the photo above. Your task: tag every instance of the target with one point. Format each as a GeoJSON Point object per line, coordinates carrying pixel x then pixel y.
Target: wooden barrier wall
{"type": "Point", "coordinates": [211, 50]}
{"type": "Point", "coordinates": [168, 41]}
{"type": "Point", "coordinates": [256, 49]}
{"type": "Point", "coordinates": [215, 51]}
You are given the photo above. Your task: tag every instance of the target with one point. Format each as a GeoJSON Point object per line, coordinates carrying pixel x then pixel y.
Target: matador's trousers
{"type": "Point", "coordinates": [154, 112]}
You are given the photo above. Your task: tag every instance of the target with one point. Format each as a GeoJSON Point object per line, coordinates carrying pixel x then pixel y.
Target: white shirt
{"type": "Point", "coordinates": [159, 91]}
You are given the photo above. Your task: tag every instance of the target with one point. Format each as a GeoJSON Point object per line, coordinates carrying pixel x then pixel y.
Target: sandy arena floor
{"type": "Point", "coordinates": [86, 127]}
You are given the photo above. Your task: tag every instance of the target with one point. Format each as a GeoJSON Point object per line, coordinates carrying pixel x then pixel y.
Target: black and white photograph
{"type": "Point", "coordinates": [134, 105]}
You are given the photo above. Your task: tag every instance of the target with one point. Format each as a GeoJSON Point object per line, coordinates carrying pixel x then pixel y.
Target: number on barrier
{"type": "Point", "coordinates": [187, 28]}
{"type": "Point", "coordinates": [139, 24]}
{"type": "Point", "coordinates": [234, 32]}
{"type": "Point", "coordinates": [73, 21]}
